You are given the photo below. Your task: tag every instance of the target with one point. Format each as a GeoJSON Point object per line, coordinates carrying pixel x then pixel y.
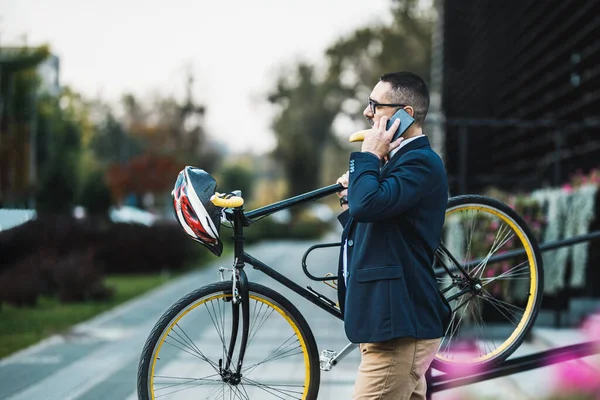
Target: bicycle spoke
{"type": "Point", "coordinates": [186, 388]}
{"type": "Point", "coordinates": [457, 326]}
{"type": "Point", "coordinates": [469, 241]}
{"type": "Point", "coordinates": [461, 305]}
{"type": "Point", "coordinates": [276, 346]}
{"type": "Point", "coordinates": [192, 343]}
{"type": "Point", "coordinates": [245, 394]}
{"type": "Point", "coordinates": [187, 381]}
{"type": "Point", "coordinates": [183, 340]}
{"type": "Point", "coordinates": [488, 322]}
{"type": "Point", "coordinates": [253, 321]}
{"type": "Point", "coordinates": [499, 240]}
{"type": "Point", "coordinates": [508, 306]}
{"type": "Point", "coordinates": [448, 338]}
{"type": "Point", "coordinates": [275, 356]}
{"type": "Point", "coordinates": [273, 391]}
{"type": "Point", "coordinates": [477, 271]}
{"type": "Point", "coordinates": [219, 332]}
{"type": "Point", "coordinates": [516, 272]}
{"type": "Point", "coordinates": [238, 393]}
{"type": "Point", "coordinates": [249, 368]}
{"type": "Point", "coordinates": [502, 308]}
{"type": "Point", "coordinates": [193, 353]}
{"type": "Point", "coordinates": [446, 259]}
{"type": "Point", "coordinates": [260, 325]}
{"type": "Point", "coordinates": [480, 324]}
{"type": "Point", "coordinates": [221, 389]}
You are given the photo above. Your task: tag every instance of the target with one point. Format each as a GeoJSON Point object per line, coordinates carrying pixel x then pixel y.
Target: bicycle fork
{"type": "Point", "coordinates": [240, 297]}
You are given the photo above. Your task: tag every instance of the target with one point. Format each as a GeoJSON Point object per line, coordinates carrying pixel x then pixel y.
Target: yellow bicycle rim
{"type": "Point", "coordinates": [220, 296]}
{"type": "Point", "coordinates": [532, 285]}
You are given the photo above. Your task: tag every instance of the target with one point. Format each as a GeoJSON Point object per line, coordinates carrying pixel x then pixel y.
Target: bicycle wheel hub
{"type": "Point", "coordinates": [230, 377]}
{"type": "Point", "coordinates": [475, 285]}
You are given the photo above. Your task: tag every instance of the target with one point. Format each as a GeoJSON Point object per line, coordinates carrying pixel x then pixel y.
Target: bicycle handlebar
{"type": "Point", "coordinates": [226, 201]}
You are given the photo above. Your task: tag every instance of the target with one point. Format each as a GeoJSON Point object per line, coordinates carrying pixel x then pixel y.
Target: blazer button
{"type": "Point", "coordinates": [350, 243]}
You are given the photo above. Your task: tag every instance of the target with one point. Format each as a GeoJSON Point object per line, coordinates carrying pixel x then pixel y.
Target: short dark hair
{"type": "Point", "coordinates": [409, 89]}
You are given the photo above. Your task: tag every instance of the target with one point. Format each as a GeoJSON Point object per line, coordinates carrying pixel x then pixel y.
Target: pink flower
{"type": "Point", "coordinates": [567, 188]}
{"type": "Point", "coordinates": [591, 327]}
{"type": "Point", "coordinates": [461, 357]}
{"type": "Point", "coordinates": [576, 377]}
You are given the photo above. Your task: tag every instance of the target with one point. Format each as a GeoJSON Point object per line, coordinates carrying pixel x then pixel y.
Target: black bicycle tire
{"type": "Point", "coordinates": [492, 202]}
{"type": "Point", "coordinates": [220, 287]}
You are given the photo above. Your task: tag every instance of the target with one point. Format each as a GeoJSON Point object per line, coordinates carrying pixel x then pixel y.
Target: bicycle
{"type": "Point", "coordinates": [494, 304]}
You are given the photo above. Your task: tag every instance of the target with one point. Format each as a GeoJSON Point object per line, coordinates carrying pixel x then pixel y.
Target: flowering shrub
{"type": "Point", "coordinates": [554, 214]}
{"type": "Point", "coordinates": [62, 256]}
{"type": "Point", "coordinates": [577, 379]}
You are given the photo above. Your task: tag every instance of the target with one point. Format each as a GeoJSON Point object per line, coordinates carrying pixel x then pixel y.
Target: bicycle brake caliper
{"type": "Point", "coordinates": [325, 360]}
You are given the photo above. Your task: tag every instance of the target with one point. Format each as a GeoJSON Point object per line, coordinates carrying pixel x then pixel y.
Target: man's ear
{"type": "Point", "coordinates": [410, 111]}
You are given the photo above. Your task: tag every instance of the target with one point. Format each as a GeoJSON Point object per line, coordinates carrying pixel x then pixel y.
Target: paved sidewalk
{"type": "Point", "coordinates": [98, 359]}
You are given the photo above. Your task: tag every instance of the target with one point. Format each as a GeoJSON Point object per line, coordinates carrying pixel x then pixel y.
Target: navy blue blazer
{"type": "Point", "coordinates": [393, 227]}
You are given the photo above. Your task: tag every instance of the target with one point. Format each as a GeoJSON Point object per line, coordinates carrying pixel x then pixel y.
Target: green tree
{"type": "Point", "coordinates": [62, 124]}
{"type": "Point", "coordinates": [357, 60]}
{"type": "Point", "coordinates": [19, 85]}
{"type": "Point", "coordinates": [308, 107]}
{"type": "Point", "coordinates": [95, 195]}
{"type": "Point", "coordinates": [236, 177]}
{"type": "Point", "coordinates": [111, 143]}
{"type": "Point", "coordinates": [171, 128]}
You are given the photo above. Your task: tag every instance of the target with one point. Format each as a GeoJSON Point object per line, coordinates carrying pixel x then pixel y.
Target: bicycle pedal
{"type": "Point", "coordinates": [326, 358]}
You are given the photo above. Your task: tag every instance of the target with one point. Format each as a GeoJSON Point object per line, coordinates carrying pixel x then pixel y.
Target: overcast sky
{"type": "Point", "coordinates": [235, 49]}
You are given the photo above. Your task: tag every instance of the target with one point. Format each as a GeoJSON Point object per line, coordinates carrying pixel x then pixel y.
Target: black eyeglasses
{"type": "Point", "coordinates": [373, 104]}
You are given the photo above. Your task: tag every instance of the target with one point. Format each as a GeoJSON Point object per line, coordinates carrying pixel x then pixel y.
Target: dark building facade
{"type": "Point", "coordinates": [520, 92]}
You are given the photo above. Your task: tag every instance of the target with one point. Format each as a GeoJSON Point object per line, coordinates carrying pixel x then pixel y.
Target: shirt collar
{"type": "Point", "coordinates": [404, 143]}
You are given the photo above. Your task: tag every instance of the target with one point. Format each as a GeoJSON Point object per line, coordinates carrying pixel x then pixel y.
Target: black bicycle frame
{"type": "Point", "coordinates": [240, 220]}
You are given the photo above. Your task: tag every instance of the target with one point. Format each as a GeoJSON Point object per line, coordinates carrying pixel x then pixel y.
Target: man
{"type": "Point", "coordinates": [394, 209]}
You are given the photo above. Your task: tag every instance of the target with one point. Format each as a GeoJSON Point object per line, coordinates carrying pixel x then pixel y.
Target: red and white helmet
{"type": "Point", "coordinates": [196, 214]}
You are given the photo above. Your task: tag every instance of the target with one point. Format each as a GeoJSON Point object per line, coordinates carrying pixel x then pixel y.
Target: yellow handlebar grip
{"type": "Point", "coordinates": [358, 136]}
{"type": "Point", "coordinates": [231, 202]}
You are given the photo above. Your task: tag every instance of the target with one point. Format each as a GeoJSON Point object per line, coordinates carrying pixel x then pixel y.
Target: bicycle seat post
{"type": "Point", "coordinates": [238, 236]}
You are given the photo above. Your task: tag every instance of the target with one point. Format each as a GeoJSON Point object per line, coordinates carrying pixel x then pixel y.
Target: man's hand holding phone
{"type": "Point", "coordinates": [379, 140]}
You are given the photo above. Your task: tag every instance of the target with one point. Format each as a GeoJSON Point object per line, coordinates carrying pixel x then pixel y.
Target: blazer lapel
{"type": "Point", "coordinates": [415, 144]}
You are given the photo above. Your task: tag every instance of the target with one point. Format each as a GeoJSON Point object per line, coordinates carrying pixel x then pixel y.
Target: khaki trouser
{"type": "Point", "coordinates": [394, 370]}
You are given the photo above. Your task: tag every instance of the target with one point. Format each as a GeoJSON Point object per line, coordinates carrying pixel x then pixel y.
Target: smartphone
{"type": "Point", "coordinates": [405, 122]}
